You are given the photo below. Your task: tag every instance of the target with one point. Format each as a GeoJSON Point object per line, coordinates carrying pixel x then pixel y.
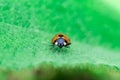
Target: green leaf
{"type": "Point", "coordinates": [27, 27]}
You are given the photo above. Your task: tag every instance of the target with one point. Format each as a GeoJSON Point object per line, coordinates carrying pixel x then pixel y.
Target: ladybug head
{"type": "Point", "coordinates": [60, 42]}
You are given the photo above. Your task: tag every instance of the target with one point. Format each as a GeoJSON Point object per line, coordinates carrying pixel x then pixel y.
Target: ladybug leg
{"type": "Point", "coordinates": [67, 46]}
{"type": "Point", "coordinates": [52, 45]}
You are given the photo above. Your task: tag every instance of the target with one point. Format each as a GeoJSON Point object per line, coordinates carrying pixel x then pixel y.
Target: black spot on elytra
{"type": "Point", "coordinates": [60, 35]}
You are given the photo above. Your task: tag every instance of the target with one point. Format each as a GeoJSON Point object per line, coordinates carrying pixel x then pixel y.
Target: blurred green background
{"type": "Point", "coordinates": [26, 30]}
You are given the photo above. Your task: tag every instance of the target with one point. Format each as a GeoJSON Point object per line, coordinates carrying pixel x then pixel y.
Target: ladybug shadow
{"type": "Point", "coordinates": [60, 50]}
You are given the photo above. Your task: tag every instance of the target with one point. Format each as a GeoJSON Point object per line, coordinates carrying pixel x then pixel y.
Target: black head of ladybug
{"type": "Point", "coordinates": [60, 42]}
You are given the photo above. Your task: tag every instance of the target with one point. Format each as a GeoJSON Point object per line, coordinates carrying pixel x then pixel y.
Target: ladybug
{"type": "Point", "coordinates": [61, 40]}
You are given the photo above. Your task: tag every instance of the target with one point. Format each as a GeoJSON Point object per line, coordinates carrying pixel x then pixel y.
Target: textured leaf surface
{"type": "Point", "coordinates": [27, 27]}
